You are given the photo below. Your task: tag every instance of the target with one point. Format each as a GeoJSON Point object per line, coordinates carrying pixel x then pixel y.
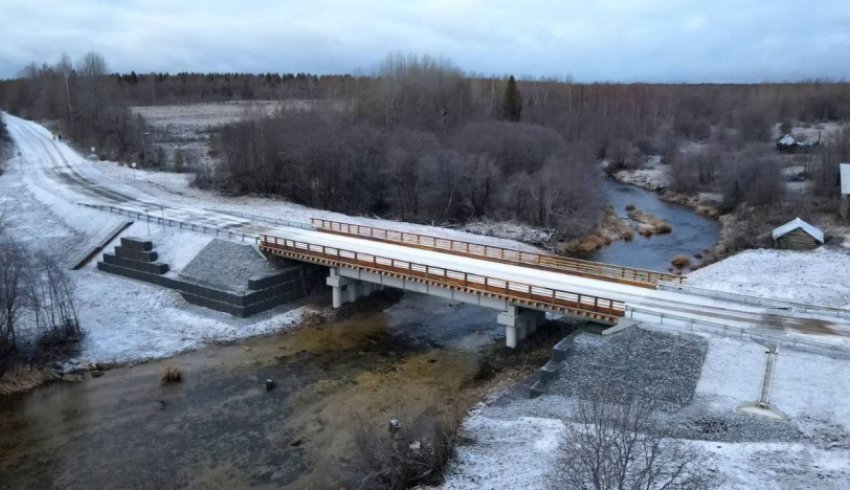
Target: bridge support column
{"type": "Point", "coordinates": [347, 290]}
{"type": "Point", "coordinates": [519, 323]}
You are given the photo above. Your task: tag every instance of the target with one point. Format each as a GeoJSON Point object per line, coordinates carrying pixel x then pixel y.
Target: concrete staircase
{"type": "Point", "coordinates": [135, 254]}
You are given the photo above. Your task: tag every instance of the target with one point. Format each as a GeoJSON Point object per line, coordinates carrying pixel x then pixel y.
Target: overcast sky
{"type": "Point", "coordinates": [589, 40]}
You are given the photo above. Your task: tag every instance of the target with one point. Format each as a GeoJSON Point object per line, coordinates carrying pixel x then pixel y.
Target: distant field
{"type": "Point", "coordinates": [199, 116]}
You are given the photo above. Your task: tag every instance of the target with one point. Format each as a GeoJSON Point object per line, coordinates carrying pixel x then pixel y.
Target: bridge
{"type": "Point", "coordinates": [521, 286]}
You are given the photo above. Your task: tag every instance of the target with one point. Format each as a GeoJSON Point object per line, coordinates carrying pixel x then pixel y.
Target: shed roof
{"type": "Point", "coordinates": [797, 223]}
{"type": "Point", "coordinates": [787, 140]}
{"type": "Point", "coordinates": [845, 178]}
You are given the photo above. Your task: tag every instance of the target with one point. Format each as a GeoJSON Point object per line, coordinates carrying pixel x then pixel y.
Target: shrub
{"type": "Point", "coordinates": [417, 453]}
{"type": "Point", "coordinates": [171, 374]}
{"type": "Point", "coordinates": [681, 261]}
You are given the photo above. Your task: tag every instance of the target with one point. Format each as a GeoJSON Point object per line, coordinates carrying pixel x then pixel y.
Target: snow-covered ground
{"type": "Point", "coordinates": [513, 440]}
{"type": "Point", "coordinates": [127, 320]}
{"type": "Point", "coordinates": [654, 175]}
{"type": "Point", "coordinates": [201, 116]}
{"type": "Point", "coordinates": [819, 277]}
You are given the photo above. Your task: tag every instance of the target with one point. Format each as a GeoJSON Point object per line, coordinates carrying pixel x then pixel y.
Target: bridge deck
{"type": "Point", "coordinates": [584, 268]}
{"type": "Point", "coordinates": [589, 306]}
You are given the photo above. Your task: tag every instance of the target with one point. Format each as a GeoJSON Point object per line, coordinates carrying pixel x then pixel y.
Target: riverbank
{"type": "Point", "coordinates": [409, 357]}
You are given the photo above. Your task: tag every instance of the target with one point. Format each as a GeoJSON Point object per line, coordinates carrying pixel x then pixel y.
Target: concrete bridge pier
{"type": "Point", "coordinates": [519, 323]}
{"type": "Point", "coordinates": [347, 290]}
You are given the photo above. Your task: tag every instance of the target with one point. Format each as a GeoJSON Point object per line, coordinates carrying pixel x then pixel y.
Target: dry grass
{"type": "Point", "coordinates": [681, 261]}
{"type": "Point", "coordinates": [171, 374]}
{"type": "Point", "coordinates": [21, 379]}
{"type": "Point", "coordinates": [663, 229]}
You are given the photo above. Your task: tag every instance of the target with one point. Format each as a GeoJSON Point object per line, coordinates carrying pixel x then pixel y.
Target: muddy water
{"type": "Point", "coordinates": [220, 427]}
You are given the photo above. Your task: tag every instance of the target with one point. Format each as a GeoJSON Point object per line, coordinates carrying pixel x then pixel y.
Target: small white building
{"type": "Point", "coordinates": [797, 235]}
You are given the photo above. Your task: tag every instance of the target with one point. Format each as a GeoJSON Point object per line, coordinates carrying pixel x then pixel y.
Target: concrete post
{"type": "Point", "coordinates": [519, 323]}
{"type": "Point", "coordinates": [353, 289]}
{"type": "Point", "coordinates": [511, 336]}
{"type": "Point", "coordinates": [343, 289]}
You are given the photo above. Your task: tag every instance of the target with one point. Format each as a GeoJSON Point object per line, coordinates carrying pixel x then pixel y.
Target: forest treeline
{"type": "Point", "coordinates": [421, 140]}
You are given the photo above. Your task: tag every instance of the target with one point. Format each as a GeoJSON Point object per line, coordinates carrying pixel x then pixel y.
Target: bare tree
{"type": "Point", "coordinates": [612, 442]}
{"type": "Point", "coordinates": [66, 69]}
{"type": "Point", "coordinates": [13, 282]}
{"type": "Point", "coordinates": [92, 71]}
{"type": "Point", "coordinates": [52, 301]}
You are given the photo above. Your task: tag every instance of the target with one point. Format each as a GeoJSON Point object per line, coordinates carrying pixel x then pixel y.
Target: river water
{"type": "Point", "coordinates": [220, 427]}
{"type": "Point", "coordinates": [406, 358]}
{"type": "Point", "coordinates": [692, 233]}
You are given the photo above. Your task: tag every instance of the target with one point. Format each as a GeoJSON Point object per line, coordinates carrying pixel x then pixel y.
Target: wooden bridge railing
{"type": "Point", "coordinates": [599, 309]}
{"type": "Point", "coordinates": [584, 268]}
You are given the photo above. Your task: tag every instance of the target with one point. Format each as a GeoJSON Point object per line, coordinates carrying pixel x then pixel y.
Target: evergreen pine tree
{"type": "Point", "coordinates": [512, 104]}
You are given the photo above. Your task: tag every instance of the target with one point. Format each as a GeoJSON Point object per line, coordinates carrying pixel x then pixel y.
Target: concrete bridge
{"type": "Point", "coordinates": [521, 286]}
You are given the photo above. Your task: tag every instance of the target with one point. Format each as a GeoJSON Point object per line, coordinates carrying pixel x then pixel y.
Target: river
{"type": "Point", "coordinates": [407, 358]}
{"type": "Point", "coordinates": [221, 428]}
{"type": "Point", "coordinates": [692, 234]}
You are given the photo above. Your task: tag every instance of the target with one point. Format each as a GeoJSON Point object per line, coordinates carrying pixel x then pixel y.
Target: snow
{"type": "Point", "coordinates": [512, 443]}
{"type": "Point", "coordinates": [124, 320]}
{"type": "Point", "coordinates": [787, 140]}
{"type": "Point", "coordinates": [795, 224]}
{"type": "Point", "coordinates": [808, 385]}
{"type": "Point", "coordinates": [732, 373]}
{"type": "Point", "coordinates": [817, 277]}
{"type": "Point", "coordinates": [513, 453]}
{"type": "Point", "coordinates": [652, 177]}
{"type": "Point", "coordinates": [200, 116]}
{"type": "Point", "coordinates": [511, 231]}
{"type": "Point", "coordinates": [127, 321]}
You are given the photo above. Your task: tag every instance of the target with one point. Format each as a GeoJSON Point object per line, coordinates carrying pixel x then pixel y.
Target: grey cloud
{"type": "Point", "coordinates": [612, 40]}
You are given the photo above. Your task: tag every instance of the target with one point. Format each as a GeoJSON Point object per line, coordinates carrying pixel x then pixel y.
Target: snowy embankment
{"type": "Point", "coordinates": [818, 277]}
{"type": "Point", "coordinates": [512, 441]}
{"type": "Point", "coordinates": [125, 320]}
{"type": "Point", "coordinates": [177, 189]}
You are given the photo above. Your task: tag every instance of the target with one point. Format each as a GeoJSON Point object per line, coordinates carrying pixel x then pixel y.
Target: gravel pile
{"type": "Point", "coordinates": [731, 427]}
{"type": "Point", "coordinates": [659, 365]}
{"type": "Point", "coordinates": [665, 367]}
{"type": "Point", "coordinates": [227, 265]}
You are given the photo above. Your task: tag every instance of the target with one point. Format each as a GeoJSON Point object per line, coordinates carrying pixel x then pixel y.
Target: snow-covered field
{"type": "Point", "coordinates": [513, 440]}
{"type": "Point", "coordinates": [201, 116]}
{"type": "Point", "coordinates": [819, 277]}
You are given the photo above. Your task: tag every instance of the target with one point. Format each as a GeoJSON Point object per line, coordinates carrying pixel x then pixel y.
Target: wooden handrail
{"type": "Point", "coordinates": [582, 304]}
{"type": "Point", "coordinates": [584, 268]}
